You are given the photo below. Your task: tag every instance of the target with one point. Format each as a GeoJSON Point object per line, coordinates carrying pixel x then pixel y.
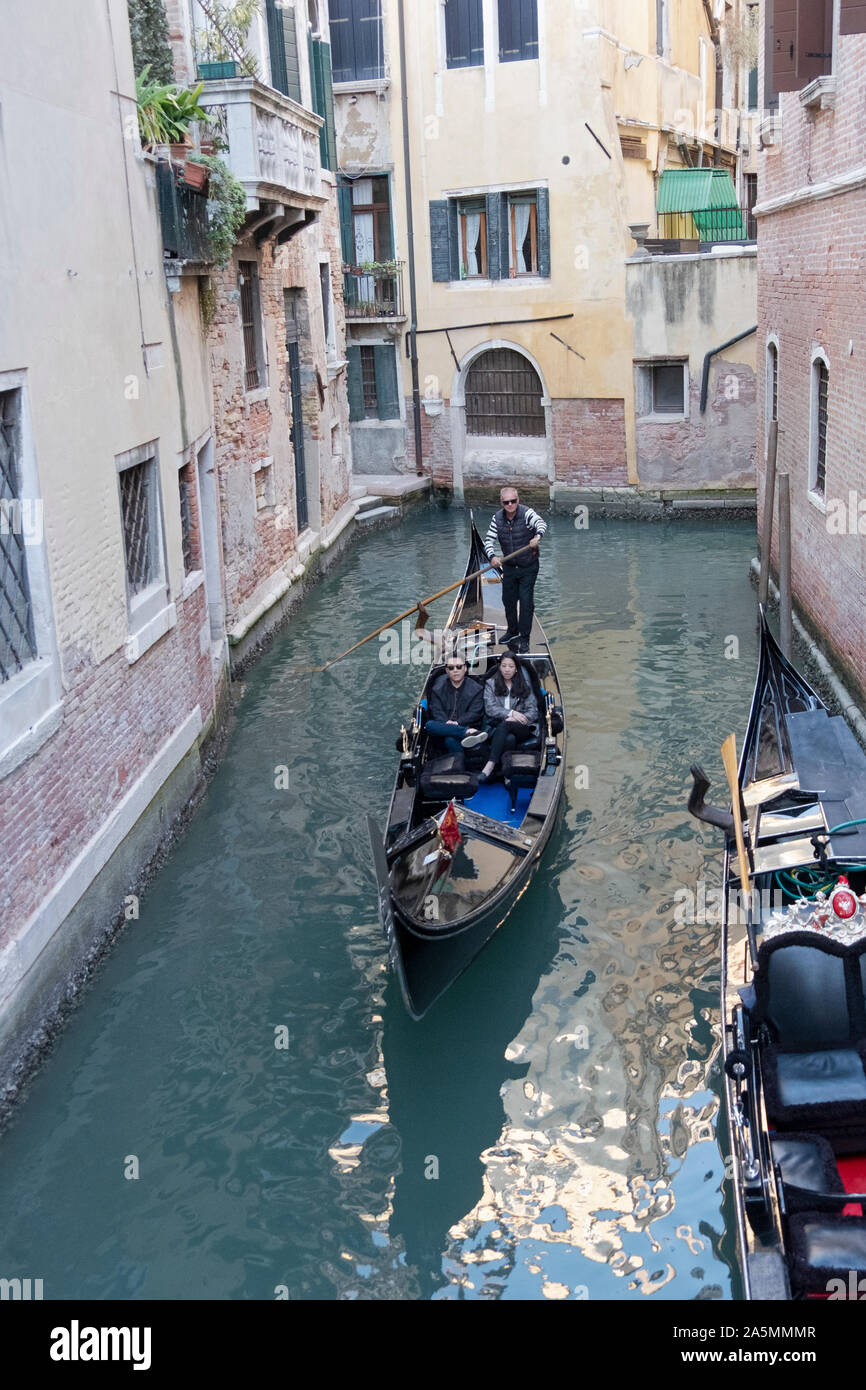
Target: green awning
{"type": "Point", "coordinates": [695, 190]}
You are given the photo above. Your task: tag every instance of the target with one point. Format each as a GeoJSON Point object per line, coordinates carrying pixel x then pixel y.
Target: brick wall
{"type": "Point", "coordinates": [589, 447]}
{"type": "Point", "coordinates": [812, 288]}
{"type": "Point", "coordinates": [261, 542]}
{"type": "Point", "coordinates": [116, 717]}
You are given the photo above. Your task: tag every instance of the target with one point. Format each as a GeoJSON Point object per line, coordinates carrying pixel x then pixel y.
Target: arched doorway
{"type": "Point", "coordinates": [501, 418]}
{"type": "Point", "coordinates": [504, 395]}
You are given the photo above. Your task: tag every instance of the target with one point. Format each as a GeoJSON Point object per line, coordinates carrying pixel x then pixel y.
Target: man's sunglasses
{"type": "Point", "coordinates": [510, 502]}
{"type": "Point", "coordinates": [455, 666]}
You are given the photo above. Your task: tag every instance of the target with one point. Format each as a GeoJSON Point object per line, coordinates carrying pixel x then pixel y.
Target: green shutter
{"type": "Point", "coordinates": [439, 239]}
{"type": "Point", "coordinates": [323, 100]}
{"type": "Point", "coordinates": [387, 395]}
{"type": "Point", "coordinates": [495, 253]}
{"type": "Point", "coordinates": [276, 47]}
{"type": "Point", "coordinates": [347, 231]}
{"type": "Point", "coordinates": [355, 384]}
{"type": "Point", "coordinates": [293, 65]}
{"type": "Point", "coordinates": [543, 230]}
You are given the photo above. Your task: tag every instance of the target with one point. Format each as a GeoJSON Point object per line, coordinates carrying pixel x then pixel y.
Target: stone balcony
{"type": "Point", "coordinates": [273, 143]}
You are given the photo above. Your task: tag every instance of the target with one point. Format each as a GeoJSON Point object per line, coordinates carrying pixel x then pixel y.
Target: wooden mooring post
{"type": "Point", "coordinates": [785, 619]}
{"type": "Point", "coordinates": [769, 508]}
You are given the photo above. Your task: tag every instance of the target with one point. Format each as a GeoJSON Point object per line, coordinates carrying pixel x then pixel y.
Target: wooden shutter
{"type": "Point", "coordinates": [464, 34]}
{"type": "Point", "coordinates": [293, 62]}
{"type": "Point", "coordinates": [440, 238]}
{"type": "Point", "coordinates": [852, 17]}
{"type": "Point", "coordinates": [799, 44]}
{"type": "Point", "coordinates": [328, 132]}
{"type": "Point", "coordinates": [368, 38]}
{"type": "Point", "coordinates": [387, 393]}
{"type": "Point", "coordinates": [518, 30]}
{"type": "Point", "coordinates": [543, 218]}
{"type": "Point", "coordinates": [276, 47]}
{"type": "Point", "coordinates": [342, 40]}
{"type": "Point", "coordinates": [814, 40]}
{"type": "Point", "coordinates": [354, 383]}
{"type": "Point", "coordinates": [497, 249]}
{"type": "Point", "coordinates": [347, 230]}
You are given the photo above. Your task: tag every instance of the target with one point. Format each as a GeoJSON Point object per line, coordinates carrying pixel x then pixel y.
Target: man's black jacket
{"type": "Point", "coordinates": [465, 704]}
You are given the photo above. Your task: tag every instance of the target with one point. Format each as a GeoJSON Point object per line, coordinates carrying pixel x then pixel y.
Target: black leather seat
{"type": "Point", "coordinates": [809, 996]}
{"type": "Point", "coordinates": [808, 1169]}
{"type": "Point", "coordinates": [444, 778]}
{"type": "Point", "coordinates": [823, 1248]}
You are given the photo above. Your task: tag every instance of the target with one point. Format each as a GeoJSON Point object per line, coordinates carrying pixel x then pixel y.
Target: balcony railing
{"type": "Point", "coordinates": [183, 213]}
{"type": "Point", "coordinates": [375, 294]}
{"type": "Point", "coordinates": [712, 225]}
{"type": "Point", "coordinates": [273, 143]}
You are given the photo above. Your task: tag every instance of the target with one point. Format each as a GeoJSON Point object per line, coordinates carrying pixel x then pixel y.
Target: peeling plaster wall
{"type": "Point", "coordinates": [683, 307]}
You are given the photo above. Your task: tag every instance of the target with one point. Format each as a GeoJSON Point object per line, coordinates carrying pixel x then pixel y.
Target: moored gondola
{"type": "Point", "coordinates": [794, 991]}
{"type": "Point", "coordinates": [445, 890]}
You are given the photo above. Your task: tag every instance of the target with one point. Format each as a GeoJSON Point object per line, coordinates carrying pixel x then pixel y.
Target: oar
{"type": "Point", "coordinates": [729, 758]}
{"type": "Point", "coordinates": [420, 608]}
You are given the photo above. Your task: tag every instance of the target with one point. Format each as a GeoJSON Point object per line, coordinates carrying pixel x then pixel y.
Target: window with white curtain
{"type": "Point", "coordinates": [473, 239]}
{"type": "Point", "coordinates": [522, 234]}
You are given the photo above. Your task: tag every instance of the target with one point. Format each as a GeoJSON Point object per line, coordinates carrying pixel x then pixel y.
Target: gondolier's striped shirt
{"type": "Point", "coordinates": [533, 521]}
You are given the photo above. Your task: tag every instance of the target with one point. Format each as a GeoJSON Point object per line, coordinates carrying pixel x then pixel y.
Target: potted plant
{"type": "Point", "coordinates": [166, 112]}
{"type": "Point", "coordinates": [195, 173]}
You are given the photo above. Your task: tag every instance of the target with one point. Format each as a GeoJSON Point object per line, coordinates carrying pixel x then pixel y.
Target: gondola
{"type": "Point", "coordinates": [440, 906]}
{"type": "Point", "coordinates": [793, 976]}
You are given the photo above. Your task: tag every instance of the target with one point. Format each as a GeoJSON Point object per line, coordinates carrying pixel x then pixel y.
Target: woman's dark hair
{"type": "Point", "coordinates": [519, 686]}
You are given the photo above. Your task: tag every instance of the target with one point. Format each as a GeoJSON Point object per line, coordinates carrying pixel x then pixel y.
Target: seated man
{"type": "Point", "coordinates": [512, 712]}
{"type": "Point", "coordinates": [455, 708]}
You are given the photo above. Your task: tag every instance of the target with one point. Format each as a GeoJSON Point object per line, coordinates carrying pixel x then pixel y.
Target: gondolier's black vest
{"type": "Point", "coordinates": [513, 535]}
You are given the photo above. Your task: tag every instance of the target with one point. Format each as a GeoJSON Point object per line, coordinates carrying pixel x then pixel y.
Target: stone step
{"type": "Point", "coordinates": [368, 502]}
{"type": "Point", "coordinates": [377, 515]}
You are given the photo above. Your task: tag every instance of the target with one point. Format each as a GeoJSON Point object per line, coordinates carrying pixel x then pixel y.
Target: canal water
{"type": "Point", "coordinates": [240, 1109]}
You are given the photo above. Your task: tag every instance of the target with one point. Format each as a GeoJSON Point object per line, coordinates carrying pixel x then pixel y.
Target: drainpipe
{"type": "Point", "coordinates": [720, 77]}
{"type": "Point", "coordinates": [413, 302]}
{"type": "Point", "coordinates": [705, 379]}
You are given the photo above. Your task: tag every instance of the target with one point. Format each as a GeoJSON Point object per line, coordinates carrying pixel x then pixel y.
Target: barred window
{"type": "Point", "coordinates": [503, 395]}
{"type": "Point", "coordinates": [773, 381]}
{"type": "Point", "coordinates": [137, 506]}
{"type": "Point", "coordinates": [368, 382]}
{"type": "Point", "coordinates": [17, 640]}
{"type": "Point", "coordinates": [251, 323]}
{"type": "Point", "coordinates": [820, 397]}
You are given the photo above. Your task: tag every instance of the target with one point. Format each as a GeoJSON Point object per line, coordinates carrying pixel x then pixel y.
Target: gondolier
{"type": "Point", "coordinates": [515, 527]}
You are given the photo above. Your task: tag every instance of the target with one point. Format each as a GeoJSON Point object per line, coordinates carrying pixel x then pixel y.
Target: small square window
{"type": "Point", "coordinates": [668, 383]}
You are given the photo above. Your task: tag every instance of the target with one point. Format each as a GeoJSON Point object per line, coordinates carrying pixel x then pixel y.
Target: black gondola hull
{"type": "Point", "coordinates": [428, 957]}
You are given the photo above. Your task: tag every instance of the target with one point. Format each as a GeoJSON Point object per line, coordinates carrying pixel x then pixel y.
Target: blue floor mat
{"type": "Point", "coordinates": [494, 801]}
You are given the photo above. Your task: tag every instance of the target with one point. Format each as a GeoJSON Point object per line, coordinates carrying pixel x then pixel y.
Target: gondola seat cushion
{"type": "Point", "coordinates": [809, 996]}
{"type": "Point", "coordinates": [808, 1168]}
{"type": "Point", "coordinates": [444, 778]}
{"type": "Point", "coordinates": [520, 768]}
{"type": "Point", "coordinates": [825, 1247]}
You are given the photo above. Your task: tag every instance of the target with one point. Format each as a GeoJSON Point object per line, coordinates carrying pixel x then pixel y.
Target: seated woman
{"type": "Point", "coordinates": [511, 709]}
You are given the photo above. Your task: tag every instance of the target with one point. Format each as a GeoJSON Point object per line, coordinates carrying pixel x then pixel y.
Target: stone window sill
{"type": "Point", "coordinates": [137, 643]}
{"type": "Point", "coordinates": [192, 581]}
{"type": "Point", "coordinates": [819, 95]}
{"type": "Point", "coordinates": [31, 710]}
{"type": "Point", "coordinates": [818, 502]}
{"type": "Point", "coordinates": [672, 418]}
{"type": "Point", "coordinates": [261, 393]}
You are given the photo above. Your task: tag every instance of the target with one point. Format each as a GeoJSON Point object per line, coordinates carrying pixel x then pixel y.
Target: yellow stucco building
{"type": "Point", "coordinates": [500, 164]}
